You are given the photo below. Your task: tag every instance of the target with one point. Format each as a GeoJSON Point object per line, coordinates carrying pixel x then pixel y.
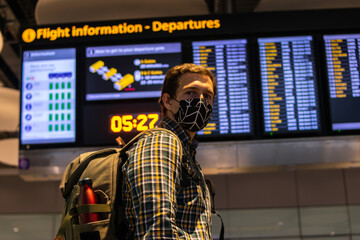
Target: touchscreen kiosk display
{"type": "Point", "coordinates": [48, 96]}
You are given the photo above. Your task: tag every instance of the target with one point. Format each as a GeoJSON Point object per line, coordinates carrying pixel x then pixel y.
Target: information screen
{"type": "Point", "coordinates": [48, 96]}
{"type": "Point", "coordinates": [289, 85]}
{"type": "Point", "coordinates": [111, 120]}
{"type": "Point", "coordinates": [228, 61]}
{"type": "Point", "coordinates": [343, 62]}
{"type": "Point", "coordinates": [129, 71]}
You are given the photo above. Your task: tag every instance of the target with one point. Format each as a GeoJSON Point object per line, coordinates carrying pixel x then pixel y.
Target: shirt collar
{"type": "Point", "coordinates": [176, 128]}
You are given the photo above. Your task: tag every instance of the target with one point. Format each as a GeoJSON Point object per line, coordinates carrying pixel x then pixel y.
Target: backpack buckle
{"type": "Point", "coordinates": [120, 141]}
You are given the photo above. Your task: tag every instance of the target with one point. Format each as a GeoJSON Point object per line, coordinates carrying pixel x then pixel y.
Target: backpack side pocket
{"type": "Point", "coordinates": [91, 231]}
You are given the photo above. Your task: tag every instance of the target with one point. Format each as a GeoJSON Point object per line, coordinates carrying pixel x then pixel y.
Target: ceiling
{"type": "Point", "coordinates": [16, 13]}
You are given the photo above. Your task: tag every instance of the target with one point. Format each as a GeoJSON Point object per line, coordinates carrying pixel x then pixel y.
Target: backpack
{"type": "Point", "coordinates": [104, 168]}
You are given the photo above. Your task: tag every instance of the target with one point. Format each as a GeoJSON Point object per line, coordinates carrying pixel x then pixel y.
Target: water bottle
{"type": "Point", "coordinates": [87, 196]}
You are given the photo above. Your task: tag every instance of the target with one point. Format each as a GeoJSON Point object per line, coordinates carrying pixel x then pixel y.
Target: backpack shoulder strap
{"type": "Point", "coordinates": [120, 227]}
{"type": "Point", "coordinates": [211, 188]}
{"type": "Point", "coordinates": [132, 141]}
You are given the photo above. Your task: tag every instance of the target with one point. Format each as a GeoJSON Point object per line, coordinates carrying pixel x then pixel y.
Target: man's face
{"type": "Point", "coordinates": [193, 85]}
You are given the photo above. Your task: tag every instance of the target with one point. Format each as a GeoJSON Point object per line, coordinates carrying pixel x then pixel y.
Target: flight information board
{"type": "Point", "coordinates": [228, 61]}
{"type": "Point", "coordinates": [343, 62]}
{"type": "Point", "coordinates": [289, 85]}
{"type": "Point", "coordinates": [48, 96]}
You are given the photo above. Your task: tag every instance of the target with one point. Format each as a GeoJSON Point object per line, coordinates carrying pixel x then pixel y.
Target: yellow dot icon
{"type": "Point", "coordinates": [28, 35]}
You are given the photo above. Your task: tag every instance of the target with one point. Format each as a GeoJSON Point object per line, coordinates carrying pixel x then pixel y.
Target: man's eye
{"type": "Point", "coordinates": [207, 96]}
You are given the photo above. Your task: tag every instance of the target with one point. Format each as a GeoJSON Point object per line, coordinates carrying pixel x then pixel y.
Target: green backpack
{"type": "Point", "coordinates": [104, 168]}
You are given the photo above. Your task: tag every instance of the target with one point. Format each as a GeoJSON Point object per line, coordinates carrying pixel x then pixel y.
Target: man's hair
{"type": "Point", "coordinates": [172, 80]}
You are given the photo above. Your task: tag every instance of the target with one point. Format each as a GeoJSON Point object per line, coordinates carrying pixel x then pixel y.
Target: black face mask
{"type": "Point", "coordinates": [193, 114]}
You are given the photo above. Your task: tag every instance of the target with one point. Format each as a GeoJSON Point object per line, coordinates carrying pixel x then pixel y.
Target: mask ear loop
{"type": "Point", "coordinates": [176, 100]}
{"type": "Point", "coordinates": [178, 108]}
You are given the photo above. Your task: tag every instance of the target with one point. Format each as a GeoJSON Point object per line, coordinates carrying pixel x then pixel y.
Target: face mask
{"type": "Point", "coordinates": [193, 114]}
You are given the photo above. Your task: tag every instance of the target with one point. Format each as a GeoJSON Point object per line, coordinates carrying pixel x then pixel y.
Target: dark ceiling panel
{"type": "Point", "coordinates": [23, 10]}
{"type": "Point", "coordinates": [245, 5]}
{"type": "Point", "coordinates": [12, 81]}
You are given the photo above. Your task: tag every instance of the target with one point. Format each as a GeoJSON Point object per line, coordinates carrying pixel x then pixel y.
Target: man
{"type": "Point", "coordinates": [166, 198]}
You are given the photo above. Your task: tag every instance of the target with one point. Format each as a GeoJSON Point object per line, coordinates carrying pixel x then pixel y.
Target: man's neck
{"type": "Point", "coordinates": [191, 134]}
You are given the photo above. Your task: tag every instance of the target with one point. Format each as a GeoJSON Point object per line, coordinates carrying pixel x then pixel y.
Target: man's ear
{"type": "Point", "coordinates": [166, 99]}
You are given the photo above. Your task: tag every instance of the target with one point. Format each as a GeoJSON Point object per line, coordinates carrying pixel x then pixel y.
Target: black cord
{"type": "Point", "coordinates": [8, 134]}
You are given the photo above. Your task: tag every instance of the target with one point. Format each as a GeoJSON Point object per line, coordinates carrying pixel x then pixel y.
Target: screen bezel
{"type": "Point", "coordinates": [135, 95]}
{"type": "Point", "coordinates": [44, 145]}
{"type": "Point", "coordinates": [330, 129]}
{"type": "Point", "coordinates": [298, 133]}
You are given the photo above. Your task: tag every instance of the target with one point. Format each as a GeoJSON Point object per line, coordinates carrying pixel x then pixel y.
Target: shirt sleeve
{"type": "Point", "coordinates": [153, 177]}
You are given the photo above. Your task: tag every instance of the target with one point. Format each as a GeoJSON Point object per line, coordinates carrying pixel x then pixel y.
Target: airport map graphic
{"type": "Point", "coordinates": [128, 72]}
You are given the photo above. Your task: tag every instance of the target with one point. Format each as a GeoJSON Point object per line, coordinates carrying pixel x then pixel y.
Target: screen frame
{"type": "Point", "coordinates": [329, 130]}
{"type": "Point", "coordinates": [262, 134]}
{"type": "Point", "coordinates": [142, 44]}
{"type": "Point", "coordinates": [28, 146]}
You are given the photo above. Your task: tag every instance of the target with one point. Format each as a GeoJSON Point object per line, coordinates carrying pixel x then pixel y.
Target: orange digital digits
{"type": "Point", "coordinates": [128, 123]}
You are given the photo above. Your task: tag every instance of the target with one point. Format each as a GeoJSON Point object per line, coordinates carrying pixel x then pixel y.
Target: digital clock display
{"type": "Point", "coordinates": [103, 123]}
{"type": "Point", "coordinates": [132, 123]}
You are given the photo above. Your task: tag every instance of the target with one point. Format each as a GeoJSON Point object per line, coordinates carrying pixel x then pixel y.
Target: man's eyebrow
{"type": "Point", "coordinates": [190, 88]}
{"type": "Point", "coordinates": [196, 88]}
{"type": "Point", "coordinates": [210, 91]}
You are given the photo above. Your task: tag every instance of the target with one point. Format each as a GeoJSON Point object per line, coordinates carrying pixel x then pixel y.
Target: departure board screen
{"type": "Point", "coordinates": [289, 85]}
{"type": "Point", "coordinates": [343, 62]}
{"type": "Point", "coordinates": [227, 59]}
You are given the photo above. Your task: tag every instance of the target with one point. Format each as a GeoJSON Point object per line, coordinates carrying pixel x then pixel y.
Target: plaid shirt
{"type": "Point", "coordinates": [161, 202]}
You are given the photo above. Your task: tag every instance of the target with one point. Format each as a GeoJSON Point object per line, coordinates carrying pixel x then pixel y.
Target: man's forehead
{"type": "Point", "coordinates": [189, 78]}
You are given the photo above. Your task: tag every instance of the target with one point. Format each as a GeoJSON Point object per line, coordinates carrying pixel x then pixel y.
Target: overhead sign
{"type": "Point", "coordinates": [114, 30]}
